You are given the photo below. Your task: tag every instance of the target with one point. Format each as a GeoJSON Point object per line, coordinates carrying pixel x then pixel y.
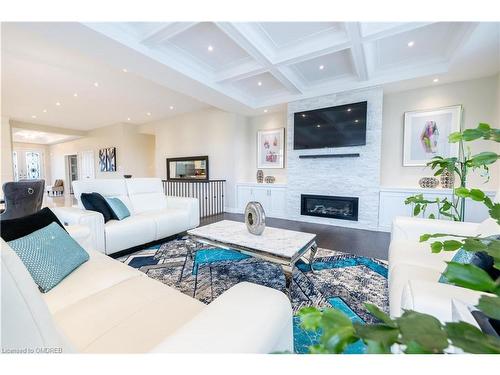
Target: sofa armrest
{"type": "Point", "coordinates": [189, 204]}
{"type": "Point", "coordinates": [247, 318]}
{"type": "Point", "coordinates": [435, 298]}
{"type": "Point", "coordinates": [93, 220]}
{"type": "Point", "coordinates": [411, 228]}
{"type": "Point", "coordinates": [81, 234]}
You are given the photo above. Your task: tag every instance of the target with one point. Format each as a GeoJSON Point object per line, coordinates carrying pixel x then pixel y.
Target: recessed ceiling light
{"type": "Point", "coordinates": [411, 43]}
{"type": "Point", "coordinates": [171, 107]}
{"type": "Point", "coordinates": [435, 80]}
{"type": "Point", "coordinates": [58, 104]}
{"type": "Point", "coordinates": [75, 94]}
{"type": "Point", "coordinates": [128, 118]}
{"type": "Point", "coordinates": [265, 110]}
{"type": "Point", "coordinates": [210, 48]}
{"type": "Point", "coordinates": [124, 70]}
{"type": "Point", "coordinates": [321, 67]}
{"type": "Point", "coordinates": [349, 109]}
{"type": "Point", "coordinates": [148, 113]}
{"type": "Point", "coordinates": [259, 83]}
{"type": "Point", "coordinates": [44, 111]}
{"type": "Point", "coordinates": [96, 84]}
{"type": "Point", "coordinates": [33, 116]}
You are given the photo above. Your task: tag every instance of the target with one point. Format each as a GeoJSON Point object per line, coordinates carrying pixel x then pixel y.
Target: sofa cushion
{"type": "Point", "coordinates": [16, 228]}
{"type": "Point", "coordinates": [105, 187]}
{"type": "Point", "coordinates": [98, 273]}
{"type": "Point", "coordinates": [132, 231]}
{"type": "Point", "coordinates": [49, 254]}
{"type": "Point", "coordinates": [118, 207]}
{"type": "Point", "coordinates": [146, 194]}
{"type": "Point", "coordinates": [417, 253]}
{"type": "Point", "coordinates": [96, 202]}
{"type": "Point", "coordinates": [488, 227]}
{"type": "Point", "coordinates": [130, 317]}
{"type": "Point", "coordinates": [169, 221]}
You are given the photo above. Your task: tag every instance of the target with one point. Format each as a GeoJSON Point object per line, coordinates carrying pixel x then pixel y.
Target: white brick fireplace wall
{"type": "Point", "coordinates": [350, 176]}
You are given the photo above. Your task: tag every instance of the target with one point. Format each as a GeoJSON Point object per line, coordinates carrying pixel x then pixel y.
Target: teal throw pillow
{"type": "Point", "coordinates": [121, 211]}
{"type": "Point", "coordinates": [462, 257]}
{"type": "Point", "coordinates": [50, 254]}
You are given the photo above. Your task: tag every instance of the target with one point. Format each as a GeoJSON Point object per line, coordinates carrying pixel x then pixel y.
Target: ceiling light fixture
{"type": "Point", "coordinates": [411, 43]}
{"type": "Point", "coordinates": [148, 113]}
{"type": "Point", "coordinates": [124, 70]}
{"type": "Point", "coordinates": [265, 110]}
{"type": "Point", "coordinates": [349, 109]}
{"type": "Point", "coordinates": [259, 83]}
{"type": "Point", "coordinates": [321, 67]}
{"type": "Point", "coordinates": [33, 116]}
{"type": "Point", "coordinates": [210, 48]}
{"type": "Point", "coordinates": [318, 126]}
{"type": "Point", "coordinates": [75, 94]}
{"type": "Point", "coordinates": [44, 111]}
{"type": "Point", "coordinates": [128, 118]}
{"type": "Point", "coordinates": [303, 115]}
{"type": "Point", "coordinates": [435, 80]}
{"type": "Point", "coordinates": [58, 104]}
{"type": "Point", "coordinates": [171, 107]}
{"type": "Point", "coordinates": [96, 84]}
{"type": "Point", "coordinates": [356, 121]}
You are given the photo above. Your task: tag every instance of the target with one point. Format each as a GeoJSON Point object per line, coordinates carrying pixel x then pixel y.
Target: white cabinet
{"type": "Point", "coordinates": [271, 197]}
{"type": "Point", "coordinates": [392, 204]}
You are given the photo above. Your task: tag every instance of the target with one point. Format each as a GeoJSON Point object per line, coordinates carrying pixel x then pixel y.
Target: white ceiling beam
{"type": "Point", "coordinates": [402, 28]}
{"type": "Point", "coordinates": [353, 30]}
{"type": "Point", "coordinates": [241, 71]}
{"type": "Point", "coordinates": [460, 39]}
{"type": "Point", "coordinates": [243, 36]}
{"type": "Point", "coordinates": [166, 32]}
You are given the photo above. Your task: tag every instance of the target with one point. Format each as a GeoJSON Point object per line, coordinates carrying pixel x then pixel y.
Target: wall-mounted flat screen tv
{"type": "Point", "coordinates": [340, 126]}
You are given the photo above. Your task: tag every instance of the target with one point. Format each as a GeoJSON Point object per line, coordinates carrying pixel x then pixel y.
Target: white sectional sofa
{"type": "Point", "coordinates": [154, 216]}
{"type": "Point", "coordinates": [105, 306]}
{"type": "Point", "coordinates": [414, 270]}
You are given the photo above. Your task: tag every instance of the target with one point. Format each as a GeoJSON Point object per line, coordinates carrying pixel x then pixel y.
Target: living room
{"type": "Point", "coordinates": [250, 187]}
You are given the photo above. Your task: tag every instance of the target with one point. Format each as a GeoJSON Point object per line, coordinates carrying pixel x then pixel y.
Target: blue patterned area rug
{"type": "Point", "coordinates": [339, 279]}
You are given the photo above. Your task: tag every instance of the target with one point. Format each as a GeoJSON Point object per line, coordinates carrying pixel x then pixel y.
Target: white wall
{"type": "Point", "coordinates": [134, 151]}
{"type": "Point", "coordinates": [6, 152]}
{"type": "Point", "coordinates": [268, 121]}
{"type": "Point", "coordinates": [220, 135]}
{"type": "Point", "coordinates": [479, 100]}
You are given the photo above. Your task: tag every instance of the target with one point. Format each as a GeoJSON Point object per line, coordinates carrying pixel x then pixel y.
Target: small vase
{"type": "Point", "coordinates": [428, 182]}
{"type": "Point", "coordinates": [260, 176]}
{"type": "Point", "coordinates": [447, 179]}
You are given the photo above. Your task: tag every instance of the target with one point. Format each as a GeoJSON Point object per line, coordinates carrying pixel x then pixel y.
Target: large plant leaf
{"type": "Point", "coordinates": [380, 315]}
{"type": "Point", "coordinates": [469, 276]}
{"type": "Point", "coordinates": [310, 318]}
{"type": "Point", "coordinates": [472, 340]}
{"type": "Point", "coordinates": [490, 305]}
{"type": "Point", "coordinates": [483, 158]}
{"type": "Point", "coordinates": [451, 245]}
{"type": "Point", "coordinates": [380, 333]}
{"type": "Point", "coordinates": [423, 330]}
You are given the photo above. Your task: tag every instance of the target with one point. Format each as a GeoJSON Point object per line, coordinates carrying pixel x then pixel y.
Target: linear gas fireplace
{"type": "Point", "coordinates": [345, 208]}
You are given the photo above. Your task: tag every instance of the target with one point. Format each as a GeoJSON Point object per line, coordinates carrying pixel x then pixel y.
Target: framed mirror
{"type": "Point", "coordinates": [193, 168]}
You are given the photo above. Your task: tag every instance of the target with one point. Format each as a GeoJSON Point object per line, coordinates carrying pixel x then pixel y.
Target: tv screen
{"type": "Point", "coordinates": [341, 126]}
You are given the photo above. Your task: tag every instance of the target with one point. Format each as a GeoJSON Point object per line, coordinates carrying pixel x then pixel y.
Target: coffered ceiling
{"type": "Point", "coordinates": [265, 64]}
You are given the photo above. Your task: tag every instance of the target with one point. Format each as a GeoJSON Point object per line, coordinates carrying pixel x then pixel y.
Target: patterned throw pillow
{"type": "Point", "coordinates": [49, 254]}
{"type": "Point", "coordinates": [118, 207]}
{"type": "Point", "coordinates": [462, 257]}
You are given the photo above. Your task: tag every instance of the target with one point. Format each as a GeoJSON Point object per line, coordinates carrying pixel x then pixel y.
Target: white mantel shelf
{"type": "Point", "coordinates": [263, 184]}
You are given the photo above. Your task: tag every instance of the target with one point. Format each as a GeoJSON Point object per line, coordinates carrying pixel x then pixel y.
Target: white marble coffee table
{"type": "Point", "coordinates": [280, 246]}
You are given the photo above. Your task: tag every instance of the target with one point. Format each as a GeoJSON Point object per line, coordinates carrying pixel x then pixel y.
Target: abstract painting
{"type": "Point", "coordinates": [426, 134]}
{"type": "Point", "coordinates": [107, 159]}
{"type": "Point", "coordinates": [270, 148]}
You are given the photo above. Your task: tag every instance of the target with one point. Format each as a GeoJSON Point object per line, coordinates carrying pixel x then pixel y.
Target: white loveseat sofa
{"type": "Point", "coordinates": [105, 306]}
{"type": "Point", "coordinates": [414, 270]}
{"type": "Point", "coordinates": [154, 216]}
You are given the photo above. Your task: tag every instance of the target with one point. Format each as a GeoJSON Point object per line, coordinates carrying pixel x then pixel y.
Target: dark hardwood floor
{"type": "Point", "coordinates": [354, 241]}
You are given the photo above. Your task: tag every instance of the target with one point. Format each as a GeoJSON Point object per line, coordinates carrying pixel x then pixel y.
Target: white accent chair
{"type": "Point", "coordinates": [105, 306]}
{"type": "Point", "coordinates": [414, 270]}
{"type": "Point", "coordinates": [153, 216]}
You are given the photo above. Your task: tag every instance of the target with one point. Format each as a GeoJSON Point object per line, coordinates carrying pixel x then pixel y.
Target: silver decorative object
{"type": "Point", "coordinates": [428, 182]}
{"type": "Point", "coordinates": [270, 179]}
{"type": "Point", "coordinates": [447, 179]}
{"type": "Point", "coordinates": [255, 218]}
{"type": "Point", "coordinates": [260, 176]}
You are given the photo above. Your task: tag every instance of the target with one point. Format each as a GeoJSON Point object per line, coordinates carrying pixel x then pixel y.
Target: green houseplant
{"type": "Point", "coordinates": [417, 332]}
